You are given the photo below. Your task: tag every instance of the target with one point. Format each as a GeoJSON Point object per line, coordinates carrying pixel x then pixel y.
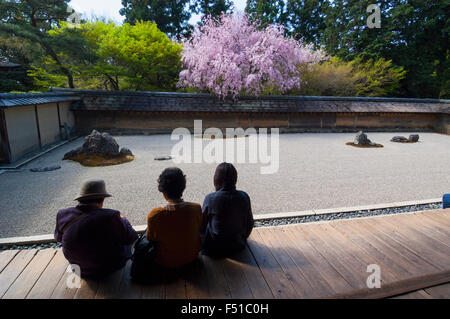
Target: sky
{"type": "Point", "coordinates": [110, 8]}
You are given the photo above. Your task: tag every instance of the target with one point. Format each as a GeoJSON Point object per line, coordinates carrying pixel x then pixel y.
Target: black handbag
{"type": "Point", "coordinates": [144, 258]}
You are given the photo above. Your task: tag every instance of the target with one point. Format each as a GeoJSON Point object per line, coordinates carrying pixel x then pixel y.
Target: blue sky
{"type": "Point", "coordinates": [110, 8]}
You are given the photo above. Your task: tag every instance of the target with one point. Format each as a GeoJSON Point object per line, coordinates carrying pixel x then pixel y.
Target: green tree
{"type": "Point", "coordinates": [413, 34]}
{"type": "Point", "coordinates": [212, 7]}
{"type": "Point", "coordinates": [171, 16]}
{"type": "Point", "coordinates": [305, 19]}
{"type": "Point", "coordinates": [267, 12]}
{"type": "Point", "coordinates": [13, 50]}
{"type": "Point", "coordinates": [128, 57]}
{"type": "Point", "coordinates": [29, 21]}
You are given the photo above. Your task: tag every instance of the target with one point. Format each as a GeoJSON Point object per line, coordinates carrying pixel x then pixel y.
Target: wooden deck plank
{"type": "Point", "coordinates": [30, 275]}
{"type": "Point", "coordinates": [293, 273]}
{"type": "Point", "coordinates": [386, 257]}
{"type": "Point", "coordinates": [353, 272]}
{"type": "Point", "coordinates": [128, 289]}
{"type": "Point", "coordinates": [196, 283]}
{"type": "Point", "coordinates": [44, 287]}
{"type": "Point", "coordinates": [14, 269]}
{"type": "Point", "coordinates": [155, 290]}
{"type": "Point", "coordinates": [62, 289]}
{"type": "Point", "coordinates": [439, 292]}
{"type": "Point", "coordinates": [361, 258]}
{"type": "Point", "coordinates": [217, 283]}
{"type": "Point", "coordinates": [88, 289]}
{"type": "Point", "coordinates": [280, 285]}
{"type": "Point", "coordinates": [429, 228]}
{"type": "Point", "coordinates": [433, 251]}
{"type": "Point", "coordinates": [404, 258]}
{"type": "Point", "coordinates": [433, 224]}
{"type": "Point", "coordinates": [258, 285]}
{"type": "Point", "coordinates": [175, 284]}
{"type": "Point", "coordinates": [5, 258]}
{"type": "Point", "coordinates": [418, 264]}
{"type": "Point", "coordinates": [109, 286]}
{"type": "Point", "coordinates": [334, 279]}
{"type": "Point", "coordinates": [442, 217]}
{"type": "Point", "coordinates": [237, 282]}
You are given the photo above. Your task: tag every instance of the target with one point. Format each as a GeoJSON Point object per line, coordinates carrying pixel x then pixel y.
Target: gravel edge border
{"type": "Point", "coordinates": [279, 221]}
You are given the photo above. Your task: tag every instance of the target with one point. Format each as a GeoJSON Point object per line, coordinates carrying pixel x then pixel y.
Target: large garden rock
{"type": "Point", "coordinates": [96, 143]}
{"type": "Point", "coordinates": [413, 138]}
{"type": "Point", "coordinates": [362, 140]}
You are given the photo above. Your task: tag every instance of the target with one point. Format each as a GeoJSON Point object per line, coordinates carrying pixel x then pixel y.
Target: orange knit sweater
{"type": "Point", "coordinates": [176, 228]}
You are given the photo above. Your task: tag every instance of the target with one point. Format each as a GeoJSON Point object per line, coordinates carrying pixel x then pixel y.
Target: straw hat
{"type": "Point", "coordinates": [93, 189]}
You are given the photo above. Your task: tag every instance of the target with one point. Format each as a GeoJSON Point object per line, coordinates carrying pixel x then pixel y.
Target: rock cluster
{"type": "Point", "coordinates": [98, 144]}
{"type": "Point", "coordinates": [413, 138]}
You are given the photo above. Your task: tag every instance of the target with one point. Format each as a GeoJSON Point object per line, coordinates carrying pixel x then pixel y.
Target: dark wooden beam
{"type": "Point", "coordinates": [59, 121]}
{"type": "Point", "coordinates": [37, 125]}
{"type": "Point", "coordinates": [398, 287]}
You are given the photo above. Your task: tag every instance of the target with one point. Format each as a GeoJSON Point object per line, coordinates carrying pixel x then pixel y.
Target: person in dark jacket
{"type": "Point", "coordinates": [96, 239]}
{"type": "Point", "coordinates": [227, 215]}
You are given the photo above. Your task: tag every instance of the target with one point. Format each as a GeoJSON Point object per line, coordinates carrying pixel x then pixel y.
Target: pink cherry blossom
{"type": "Point", "coordinates": [233, 57]}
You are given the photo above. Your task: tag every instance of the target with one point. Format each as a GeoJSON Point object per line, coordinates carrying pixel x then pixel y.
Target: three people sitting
{"type": "Point", "coordinates": [100, 240]}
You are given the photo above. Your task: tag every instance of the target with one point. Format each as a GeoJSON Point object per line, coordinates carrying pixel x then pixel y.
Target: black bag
{"type": "Point", "coordinates": [144, 259]}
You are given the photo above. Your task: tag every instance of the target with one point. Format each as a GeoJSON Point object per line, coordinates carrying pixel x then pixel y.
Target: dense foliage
{"type": "Point", "coordinates": [413, 35]}
{"type": "Point", "coordinates": [24, 27]}
{"type": "Point", "coordinates": [233, 57]}
{"type": "Point", "coordinates": [171, 16]}
{"type": "Point", "coordinates": [355, 78]}
{"type": "Point", "coordinates": [128, 57]}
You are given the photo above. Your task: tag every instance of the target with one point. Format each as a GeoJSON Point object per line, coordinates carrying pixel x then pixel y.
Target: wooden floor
{"type": "Point", "coordinates": [314, 260]}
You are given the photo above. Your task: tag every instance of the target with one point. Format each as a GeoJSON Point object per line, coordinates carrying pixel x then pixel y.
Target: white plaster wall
{"type": "Point", "coordinates": [48, 123]}
{"type": "Point", "coordinates": [22, 130]}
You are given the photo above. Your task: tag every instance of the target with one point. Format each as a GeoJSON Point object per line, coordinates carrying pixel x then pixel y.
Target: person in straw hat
{"type": "Point", "coordinates": [97, 239]}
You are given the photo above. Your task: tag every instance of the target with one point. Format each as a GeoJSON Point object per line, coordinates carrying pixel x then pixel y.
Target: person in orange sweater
{"type": "Point", "coordinates": [175, 228]}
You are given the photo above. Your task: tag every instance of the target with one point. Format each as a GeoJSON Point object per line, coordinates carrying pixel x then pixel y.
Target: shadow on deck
{"type": "Point", "coordinates": [313, 260]}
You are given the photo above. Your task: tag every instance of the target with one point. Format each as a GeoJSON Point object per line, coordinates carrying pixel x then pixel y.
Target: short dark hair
{"type": "Point", "coordinates": [172, 182]}
{"type": "Point", "coordinates": [225, 176]}
{"type": "Point", "coordinates": [91, 201]}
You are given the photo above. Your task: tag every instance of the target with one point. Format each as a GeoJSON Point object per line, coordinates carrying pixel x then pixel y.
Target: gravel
{"type": "Point", "coordinates": [317, 171]}
{"type": "Point", "coordinates": [288, 221]}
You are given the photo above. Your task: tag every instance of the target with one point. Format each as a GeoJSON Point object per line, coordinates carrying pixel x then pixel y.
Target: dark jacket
{"type": "Point", "coordinates": [228, 221]}
{"type": "Point", "coordinates": [99, 242]}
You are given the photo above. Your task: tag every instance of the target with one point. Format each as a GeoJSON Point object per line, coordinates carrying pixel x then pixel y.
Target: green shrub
{"type": "Point", "coordinates": [355, 78]}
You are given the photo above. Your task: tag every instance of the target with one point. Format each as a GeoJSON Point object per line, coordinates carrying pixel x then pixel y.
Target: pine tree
{"type": "Point", "coordinates": [29, 21]}
{"type": "Point", "coordinates": [171, 16]}
{"type": "Point", "coordinates": [212, 7]}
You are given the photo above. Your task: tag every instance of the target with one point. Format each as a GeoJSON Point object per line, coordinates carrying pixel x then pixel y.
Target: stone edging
{"type": "Point", "coordinates": [42, 239]}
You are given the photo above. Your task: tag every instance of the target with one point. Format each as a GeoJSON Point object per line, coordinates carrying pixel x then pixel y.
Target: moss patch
{"type": "Point", "coordinates": [95, 160]}
{"type": "Point", "coordinates": [364, 146]}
